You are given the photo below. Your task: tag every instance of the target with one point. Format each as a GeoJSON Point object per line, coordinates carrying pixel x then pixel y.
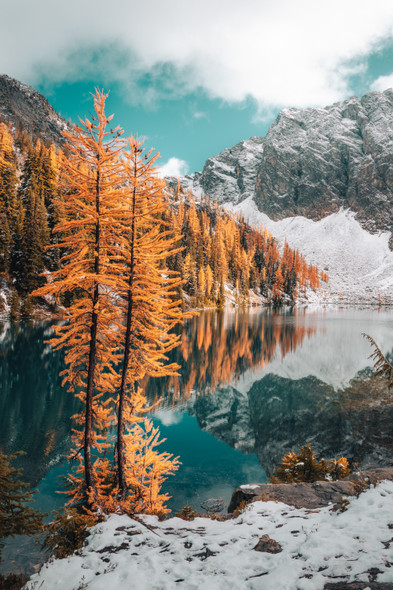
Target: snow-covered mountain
{"type": "Point", "coordinates": [323, 179]}
{"type": "Point", "coordinates": [312, 162]}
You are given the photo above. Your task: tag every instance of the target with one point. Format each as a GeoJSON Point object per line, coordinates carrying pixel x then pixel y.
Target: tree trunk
{"type": "Point", "coordinates": [89, 477]}
{"type": "Point", "coordinates": [127, 350]}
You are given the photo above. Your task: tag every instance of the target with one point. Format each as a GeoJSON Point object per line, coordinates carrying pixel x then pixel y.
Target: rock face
{"type": "Point", "coordinates": [22, 106]}
{"type": "Point", "coordinates": [309, 495]}
{"type": "Point", "coordinates": [312, 162]}
{"type": "Point", "coordinates": [318, 160]}
{"type": "Point", "coordinates": [232, 175]}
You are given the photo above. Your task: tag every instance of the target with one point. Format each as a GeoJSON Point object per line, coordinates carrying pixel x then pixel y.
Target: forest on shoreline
{"type": "Point", "coordinates": [220, 253]}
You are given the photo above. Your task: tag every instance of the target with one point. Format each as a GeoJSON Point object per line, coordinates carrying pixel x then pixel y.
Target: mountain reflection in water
{"type": "Point", "coordinates": [262, 381]}
{"type": "Point", "coordinates": [266, 382]}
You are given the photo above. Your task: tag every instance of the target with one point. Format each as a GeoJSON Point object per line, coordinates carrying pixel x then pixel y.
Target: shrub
{"type": "Point", "coordinates": [305, 467]}
{"type": "Point", "coordinates": [67, 532]}
{"type": "Point", "coordinates": [13, 581]}
{"type": "Point", "coordinates": [241, 508]}
{"type": "Point", "coordinates": [16, 517]}
{"type": "Point", "coordinates": [187, 513]}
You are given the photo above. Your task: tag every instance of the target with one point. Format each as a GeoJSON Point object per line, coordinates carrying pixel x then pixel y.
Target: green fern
{"type": "Point", "coordinates": [381, 364]}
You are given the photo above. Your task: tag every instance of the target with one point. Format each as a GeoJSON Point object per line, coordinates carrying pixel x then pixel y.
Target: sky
{"type": "Point", "coordinates": [194, 78]}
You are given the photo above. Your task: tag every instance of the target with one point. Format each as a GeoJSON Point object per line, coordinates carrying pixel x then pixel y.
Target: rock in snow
{"type": "Point", "coordinates": [306, 494]}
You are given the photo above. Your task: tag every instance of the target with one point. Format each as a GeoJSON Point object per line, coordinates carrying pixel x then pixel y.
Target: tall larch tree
{"type": "Point", "coordinates": [152, 309]}
{"type": "Point", "coordinates": [8, 193]}
{"type": "Point", "coordinates": [90, 271]}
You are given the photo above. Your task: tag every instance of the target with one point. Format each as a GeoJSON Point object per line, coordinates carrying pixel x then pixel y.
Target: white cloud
{"type": "Point", "coordinates": [199, 115]}
{"type": "Point", "coordinates": [174, 167]}
{"type": "Point", "coordinates": [168, 418]}
{"type": "Point", "coordinates": [281, 53]}
{"type": "Point", "coordinates": [382, 83]}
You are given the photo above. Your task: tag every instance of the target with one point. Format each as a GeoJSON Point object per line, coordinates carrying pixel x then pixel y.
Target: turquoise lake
{"type": "Point", "coordinates": [254, 384]}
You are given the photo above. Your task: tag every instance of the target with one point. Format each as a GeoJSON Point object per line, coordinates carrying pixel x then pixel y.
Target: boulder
{"type": "Point", "coordinates": [309, 495]}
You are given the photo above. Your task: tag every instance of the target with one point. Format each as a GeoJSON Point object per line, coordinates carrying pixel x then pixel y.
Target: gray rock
{"type": "Point", "coordinates": [22, 106]}
{"type": "Point", "coordinates": [312, 162]}
{"type": "Point", "coordinates": [318, 160]}
{"type": "Point", "coordinates": [307, 495]}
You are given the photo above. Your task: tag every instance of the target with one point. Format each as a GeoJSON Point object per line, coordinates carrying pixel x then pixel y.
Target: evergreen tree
{"type": "Point", "coordinates": [52, 198]}
{"type": "Point", "coordinates": [208, 282]}
{"type": "Point", "coordinates": [33, 240]}
{"type": "Point", "coordinates": [5, 242]}
{"type": "Point", "coordinates": [31, 232]}
{"type": "Point", "coordinates": [16, 518]}
{"type": "Point", "coordinates": [8, 185]}
{"type": "Point", "coordinates": [278, 286]}
{"type": "Point", "coordinates": [8, 173]}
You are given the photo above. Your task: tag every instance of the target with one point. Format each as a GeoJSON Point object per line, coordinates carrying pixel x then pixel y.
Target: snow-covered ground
{"type": "Point", "coordinates": [318, 546]}
{"type": "Point", "coordinates": [359, 264]}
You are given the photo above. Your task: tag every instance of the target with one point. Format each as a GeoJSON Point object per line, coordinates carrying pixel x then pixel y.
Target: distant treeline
{"type": "Point", "coordinates": [221, 253]}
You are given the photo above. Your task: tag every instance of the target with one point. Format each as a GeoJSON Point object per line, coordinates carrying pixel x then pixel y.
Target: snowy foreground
{"type": "Point", "coordinates": [318, 546]}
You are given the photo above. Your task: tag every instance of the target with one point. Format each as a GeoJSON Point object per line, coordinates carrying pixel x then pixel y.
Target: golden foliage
{"type": "Point", "coordinates": [114, 244]}
{"type": "Point", "coordinates": [214, 350]}
{"type": "Point", "coordinates": [151, 309]}
{"type": "Point", "coordinates": [305, 467]}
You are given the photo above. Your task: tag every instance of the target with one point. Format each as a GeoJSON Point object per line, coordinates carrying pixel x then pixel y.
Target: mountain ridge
{"type": "Point", "coordinates": [312, 162]}
{"type": "Point", "coordinates": [321, 179]}
{"type": "Point", "coordinates": [23, 107]}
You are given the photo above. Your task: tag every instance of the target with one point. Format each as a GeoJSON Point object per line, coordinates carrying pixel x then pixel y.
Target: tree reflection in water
{"type": "Point", "coordinates": [279, 408]}
{"type": "Point", "coordinates": [324, 394]}
{"type": "Point", "coordinates": [261, 381]}
{"type": "Point", "coordinates": [218, 347]}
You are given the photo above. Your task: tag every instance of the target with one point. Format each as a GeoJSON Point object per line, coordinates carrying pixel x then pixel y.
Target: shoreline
{"type": "Point", "coordinates": [39, 314]}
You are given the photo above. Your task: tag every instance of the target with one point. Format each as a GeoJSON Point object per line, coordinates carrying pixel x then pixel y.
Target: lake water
{"type": "Point", "coordinates": [254, 384]}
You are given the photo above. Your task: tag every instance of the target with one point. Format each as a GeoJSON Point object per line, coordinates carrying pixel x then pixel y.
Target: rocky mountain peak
{"type": "Point", "coordinates": [312, 162]}
{"type": "Point", "coordinates": [23, 107]}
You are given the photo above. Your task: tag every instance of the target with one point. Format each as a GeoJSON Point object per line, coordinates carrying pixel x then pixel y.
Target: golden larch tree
{"type": "Point", "coordinates": [151, 309]}
{"type": "Point", "coordinates": [89, 275]}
